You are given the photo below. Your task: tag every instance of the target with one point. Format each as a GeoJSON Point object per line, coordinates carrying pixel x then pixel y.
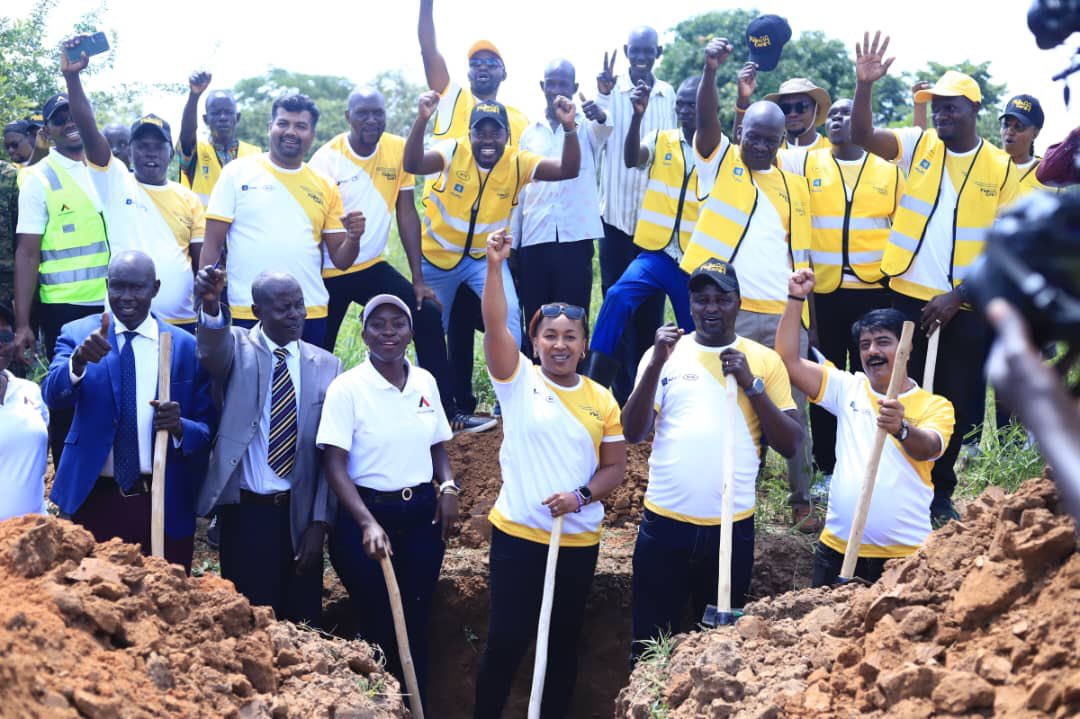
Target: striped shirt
{"type": "Point", "coordinates": [621, 188]}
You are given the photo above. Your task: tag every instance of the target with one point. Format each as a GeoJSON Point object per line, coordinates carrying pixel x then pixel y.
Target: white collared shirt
{"type": "Point", "coordinates": [570, 209]}
{"type": "Point", "coordinates": [24, 447]}
{"type": "Point", "coordinates": [622, 188]}
{"type": "Point", "coordinates": [33, 209]}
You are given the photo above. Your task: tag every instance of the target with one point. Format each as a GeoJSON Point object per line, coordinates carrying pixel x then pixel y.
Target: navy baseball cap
{"type": "Point", "coordinates": [1026, 109]}
{"type": "Point", "coordinates": [155, 123]}
{"type": "Point", "coordinates": [766, 36]}
{"type": "Point", "coordinates": [489, 110]}
{"type": "Point", "coordinates": [720, 273]}
{"type": "Point", "coordinates": [53, 104]}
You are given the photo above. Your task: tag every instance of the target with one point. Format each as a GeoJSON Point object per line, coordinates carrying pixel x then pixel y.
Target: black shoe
{"type": "Point", "coordinates": [942, 512]}
{"type": "Point", "coordinates": [472, 423]}
{"type": "Point", "coordinates": [213, 532]}
{"type": "Point", "coordinates": [601, 369]}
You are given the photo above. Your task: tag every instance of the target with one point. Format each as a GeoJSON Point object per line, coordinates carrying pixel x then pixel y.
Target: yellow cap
{"type": "Point", "coordinates": [484, 45]}
{"type": "Point", "coordinates": [952, 84]}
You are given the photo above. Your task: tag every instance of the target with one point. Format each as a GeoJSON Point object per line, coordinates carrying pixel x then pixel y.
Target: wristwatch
{"type": "Point", "coordinates": [586, 494]}
{"type": "Point", "coordinates": [758, 387]}
{"type": "Point", "coordinates": [905, 430]}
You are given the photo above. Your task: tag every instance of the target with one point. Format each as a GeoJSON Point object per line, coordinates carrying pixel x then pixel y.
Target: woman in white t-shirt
{"type": "Point", "coordinates": [24, 433]}
{"type": "Point", "coordinates": [562, 451]}
{"type": "Point", "coordinates": [382, 432]}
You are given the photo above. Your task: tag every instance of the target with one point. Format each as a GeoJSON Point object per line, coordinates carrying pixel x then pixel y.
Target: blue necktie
{"type": "Point", "coordinates": [126, 443]}
{"type": "Point", "coordinates": [281, 450]}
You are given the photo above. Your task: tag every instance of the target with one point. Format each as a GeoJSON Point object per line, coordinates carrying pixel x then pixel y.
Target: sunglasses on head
{"type": "Point", "coordinates": [797, 107]}
{"type": "Point", "coordinates": [555, 309]}
{"type": "Point", "coordinates": [6, 336]}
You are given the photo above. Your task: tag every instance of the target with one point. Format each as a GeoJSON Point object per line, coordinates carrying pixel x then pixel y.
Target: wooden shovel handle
{"type": "Point", "coordinates": [402, 634]}
{"type": "Point", "coordinates": [543, 629]}
{"type": "Point", "coordinates": [161, 451]}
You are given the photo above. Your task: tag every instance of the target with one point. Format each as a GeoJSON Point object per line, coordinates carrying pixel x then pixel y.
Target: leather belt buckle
{"type": "Point", "coordinates": [141, 486]}
{"type": "Point", "coordinates": [407, 494]}
{"type": "Point", "coordinates": [280, 499]}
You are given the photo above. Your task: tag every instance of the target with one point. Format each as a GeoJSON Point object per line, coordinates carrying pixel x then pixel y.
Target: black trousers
{"type": "Point", "coordinates": [617, 251]}
{"type": "Point", "coordinates": [517, 585]}
{"type": "Point", "coordinates": [465, 321]}
{"type": "Point", "coordinates": [52, 318]}
{"type": "Point", "coordinates": [382, 278]}
{"type": "Point", "coordinates": [835, 313]}
{"type": "Point", "coordinates": [828, 562]}
{"type": "Point", "coordinates": [554, 272]}
{"type": "Point", "coordinates": [257, 556]}
{"type": "Point", "coordinates": [959, 378]}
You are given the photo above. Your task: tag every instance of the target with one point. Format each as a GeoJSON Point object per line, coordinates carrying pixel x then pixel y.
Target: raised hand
{"type": "Point", "coordinates": [801, 283]}
{"type": "Point", "coordinates": [565, 112]}
{"type": "Point", "coordinates": [664, 343]}
{"type": "Point", "coordinates": [639, 97]}
{"type": "Point", "coordinates": [716, 51]}
{"type": "Point", "coordinates": [605, 81]}
{"type": "Point", "coordinates": [94, 348]}
{"type": "Point", "coordinates": [918, 87]}
{"type": "Point", "coordinates": [870, 65]}
{"type": "Point", "coordinates": [429, 103]}
{"type": "Point", "coordinates": [199, 81]}
{"type": "Point", "coordinates": [499, 244]}
{"type": "Point", "coordinates": [209, 283]}
{"type": "Point", "coordinates": [68, 67]}
{"type": "Point", "coordinates": [747, 80]}
{"type": "Point", "coordinates": [592, 110]}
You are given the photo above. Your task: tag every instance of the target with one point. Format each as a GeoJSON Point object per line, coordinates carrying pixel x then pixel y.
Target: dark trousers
{"type": "Point", "coordinates": [554, 272]}
{"type": "Point", "coordinates": [418, 554]}
{"type": "Point", "coordinates": [314, 329]}
{"type": "Point", "coordinates": [617, 251]}
{"type": "Point", "coordinates": [106, 514]}
{"type": "Point", "coordinates": [517, 585]}
{"type": "Point", "coordinates": [465, 320]}
{"type": "Point", "coordinates": [828, 562]}
{"type": "Point", "coordinates": [835, 313]}
{"type": "Point", "coordinates": [676, 562]}
{"type": "Point", "coordinates": [958, 377]}
{"type": "Point", "coordinates": [52, 318]}
{"type": "Point", "coordinates": [382, 278]}
{"type": "Point", "coordinates": [257, 556]}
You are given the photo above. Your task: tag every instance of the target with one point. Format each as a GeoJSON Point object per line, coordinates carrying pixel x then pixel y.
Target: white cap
{"type": "Point", "coordinates": [378, 300]}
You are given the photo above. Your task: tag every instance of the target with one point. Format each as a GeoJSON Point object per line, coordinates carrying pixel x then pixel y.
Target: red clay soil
{"type": "Point", "coordinates": [99, 631]}
{"type": "Point", "coordinates": [983, 621]}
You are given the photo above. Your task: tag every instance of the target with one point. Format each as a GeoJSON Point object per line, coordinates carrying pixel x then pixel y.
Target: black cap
{"type": "Point", "coordinates": [155, 123]}
{"type": "Point", "coordinates": [21, 127]}
{"type": "Point", "coordinates": [489, 110]}
{"type": "Point", "coordinates": [36, 118]}
{"type": "Point", "coordinates": [1026, 109]}
{"type": "Point", "coordinates": [53, 104]}
{"type": "Point", "coordinates": [721, 273]}
{"type": "Point", "coordinates": [765, 36]}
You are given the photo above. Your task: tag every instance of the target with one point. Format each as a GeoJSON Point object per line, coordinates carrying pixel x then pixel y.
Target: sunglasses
{"type": "Point", "coordinates": [554, 309]}
{"type": "Point", "coordinates": [795, 107]}
{"type": "Point", "coordinates": [485, 62]}
{"type": "Point", "coordinates": [6, 336]}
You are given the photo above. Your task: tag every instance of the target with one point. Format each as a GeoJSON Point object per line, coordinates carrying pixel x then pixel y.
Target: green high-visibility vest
{"type": "Point", "coordinates": [75, 246]}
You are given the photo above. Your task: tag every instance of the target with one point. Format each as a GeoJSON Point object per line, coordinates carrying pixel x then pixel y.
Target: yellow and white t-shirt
{"type": "Point", "coordinates": [899, 517]}
{"type": "Point", "coordinates": [276, 218]}
{"type": "Point", "coordinates": [367, 184]}
{"type": "Point", "coordinates": [455, 107]}
{"type": "Point", "coordinates": [551, 443]}
{"type": "Point", "coordinates": [686, 472]}
{"type": "Point", "coordinates": [163, 221]}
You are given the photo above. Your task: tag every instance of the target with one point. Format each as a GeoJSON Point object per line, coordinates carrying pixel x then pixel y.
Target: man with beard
{"type": "Point", "coordinates": [276, 214]}
{"type": "Point", "coordinates": [920, 424]}
{"type": "Point", "coordinates": [622, 187]}
{"type": "Point", "coordinates": [680, 392]}
{"type": "Point", "coordinates": [143, 209]}
{"type": "Point", "coordinates": [664, 226]}
{"type": "Point", "coordinates": [957, 183]}
{"type": "Point", "coordinates": [200, 161]}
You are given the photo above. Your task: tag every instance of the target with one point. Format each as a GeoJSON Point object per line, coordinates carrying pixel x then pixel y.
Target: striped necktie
{"type": "Point", "coordinates": [126, 443]}
{"type": "Point", "coordinates": [281, 452]}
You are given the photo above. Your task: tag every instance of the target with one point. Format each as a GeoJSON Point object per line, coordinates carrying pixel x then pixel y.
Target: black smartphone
{"type": "Point", "coordinates": [90, 44]}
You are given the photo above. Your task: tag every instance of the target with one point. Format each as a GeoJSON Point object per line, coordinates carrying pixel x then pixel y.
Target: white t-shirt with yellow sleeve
{"type": "Point", "coordinates": [551, 443]}
{"type": "Point", "coordinates": [899, 518]}
{"type": "Point", "coordinates": [686, 466]}
{"type": "Point", "coordinates": [276, 221]}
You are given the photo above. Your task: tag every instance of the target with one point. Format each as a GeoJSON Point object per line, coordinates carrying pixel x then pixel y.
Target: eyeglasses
{"type": "Point", "coordinates": [795, 107]}
{"type": "Point", "coordinates": [6, 336]}
{"type": "Point", "coordinates": [572, 312]}
{"type": "Point", "coordinates": [479, 62]}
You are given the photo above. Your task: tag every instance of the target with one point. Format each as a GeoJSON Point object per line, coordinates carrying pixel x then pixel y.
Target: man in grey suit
{"type": "Point", "coordinates": [265, 477]}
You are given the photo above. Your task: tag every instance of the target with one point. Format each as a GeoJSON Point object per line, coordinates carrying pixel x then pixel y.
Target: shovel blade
{"type": "Point", "coordinates": [716, 618]}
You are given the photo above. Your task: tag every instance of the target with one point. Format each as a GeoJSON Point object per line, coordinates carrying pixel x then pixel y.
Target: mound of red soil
{"type": "Point", "coordinates": [100, 631]}
{"type": "Point", "coordinates": [982, 621]}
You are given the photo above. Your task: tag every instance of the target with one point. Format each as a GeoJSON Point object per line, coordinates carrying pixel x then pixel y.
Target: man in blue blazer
{"type": "Point", "coordinates": [105, 368]}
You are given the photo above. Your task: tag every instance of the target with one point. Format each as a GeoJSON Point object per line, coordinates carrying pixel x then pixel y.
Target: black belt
{"type": "Point", "coordinates": [141, 485]}
{"type": "Point", "coordinates": [277, 499]}
{"type": "Point", "coordinates": [374, 496]}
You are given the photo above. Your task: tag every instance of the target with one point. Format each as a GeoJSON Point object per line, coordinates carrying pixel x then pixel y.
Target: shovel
{"type": "Point", "coordinates": [931, 360]}
{"type": "Point", "coordinates": [402, 634]}
{"type": "Point", "coordinates": [161, 451]}
{"type": "Point", "coordinates": [858, 524]}
{"type": "Point", "coordinates": [544, 627]}
{"type": "Point", "coordinates": [721, 613]}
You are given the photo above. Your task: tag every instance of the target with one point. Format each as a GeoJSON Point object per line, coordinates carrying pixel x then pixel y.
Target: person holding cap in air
{"type": "Point", "coordinates": [562, 452]}
{"type": "Point", "coordinates": [919, 424]}
{"type": "Point", "coordinates": [680, 394]}
{"type": "Point", "coordinates": [382, 434]}
{"type": "Point", "coordinates": [1021, 123]}
{"type": "Point", "coordinates": [957, 182]}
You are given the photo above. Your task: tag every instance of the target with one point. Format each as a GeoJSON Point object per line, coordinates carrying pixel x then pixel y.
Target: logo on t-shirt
{"type": "Point", "coordinates": [424, 407]}
{"type": "Point", "coordinates": [737, 171]}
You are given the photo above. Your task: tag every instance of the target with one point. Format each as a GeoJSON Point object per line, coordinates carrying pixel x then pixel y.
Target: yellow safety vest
{"type": "Point", "coordinates": [463, 206]}
{"type": "Point", "coordinates": [976, 206]}
{"type": "Point", "coordinates": [1029, 183]}
{"type": "Point", "coordinates": [207, 168]}
{"type": "Point", "coordinates": [74, 246]}
{"type": "Point", "coordinates": [725, 217]}
{"type": "Point", "coordinates": [849, 233]}
{"type": "Point", "coordinates": [670, 204]}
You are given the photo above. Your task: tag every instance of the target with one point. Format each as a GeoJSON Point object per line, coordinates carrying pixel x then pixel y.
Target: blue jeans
{"type": "Point", "coordinates": [677, 561]}
{"type": "Point", "coordinates": [648, 272]}
{"type": "Point", "coordinates": [472, 273]}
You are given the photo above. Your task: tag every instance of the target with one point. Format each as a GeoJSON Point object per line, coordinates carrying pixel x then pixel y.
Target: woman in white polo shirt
{"type": "Point", "coordinates": [24, 433]}
{"type": "Point", "coordinates": [562, 452]}
{"type": "Point", "coordinates": [382, 433]}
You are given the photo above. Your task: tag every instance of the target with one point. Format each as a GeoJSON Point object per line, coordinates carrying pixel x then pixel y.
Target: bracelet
{"type": "Point", "coordinates": [797, 299]}
{"type": "Point", "coordinates": [449, 487]}
{"type": "Point", "coordinates": [580, 501]}
{"type": "Point", "coordinates": [740, 110]}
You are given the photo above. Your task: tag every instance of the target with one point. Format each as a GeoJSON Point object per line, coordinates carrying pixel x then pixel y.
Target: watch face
{"type": "Point", "coordinates": [586, 493]}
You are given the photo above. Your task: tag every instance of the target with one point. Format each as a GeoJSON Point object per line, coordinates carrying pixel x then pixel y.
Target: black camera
{"type": "Point", "coordinates": [1052, 21]}
{"type": "Point", "coordinates": [1032, 259]}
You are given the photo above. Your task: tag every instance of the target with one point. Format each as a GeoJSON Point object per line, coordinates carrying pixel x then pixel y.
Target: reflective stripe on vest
{"type": "Point", "coordinates": [74, 247]}
{"type": "Point", "coordinates": [670, 203]}
{"type": "Point", "coordinates": [849, 233]}
{"type": "Point", "coordinates": [974, 212]}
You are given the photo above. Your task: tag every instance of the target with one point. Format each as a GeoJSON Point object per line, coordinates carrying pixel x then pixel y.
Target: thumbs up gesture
{"type": "Point", "coordinates": [94, 348]}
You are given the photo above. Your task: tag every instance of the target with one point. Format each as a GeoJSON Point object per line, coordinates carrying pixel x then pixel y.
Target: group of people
{"type": "Point", "coordinates": [777, 247]}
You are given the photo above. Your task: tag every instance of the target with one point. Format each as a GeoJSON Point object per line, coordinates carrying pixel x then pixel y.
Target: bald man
{"type": "Point", "coordinates": [119, 138]}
